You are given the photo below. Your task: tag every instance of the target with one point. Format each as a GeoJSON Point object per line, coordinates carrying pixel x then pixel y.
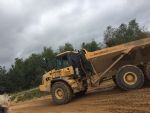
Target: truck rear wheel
{"type": "Point", "coordinates": [147, 74]}
{"type": "Point", "coordinates": [147, 71]}
{"type": "Point", "coordinates": [61, 93]}
{"type": "Point", "coordinates": [129, 77]}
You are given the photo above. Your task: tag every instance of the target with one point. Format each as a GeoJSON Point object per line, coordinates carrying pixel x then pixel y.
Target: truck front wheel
{"type": "Point", "coordinates": [129, 77]}
{"type": "Point", "coordinates": [61, 93]}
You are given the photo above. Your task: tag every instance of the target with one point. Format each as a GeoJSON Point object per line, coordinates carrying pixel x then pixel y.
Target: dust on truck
{"type": "Point", "coordinates": [127, 64]}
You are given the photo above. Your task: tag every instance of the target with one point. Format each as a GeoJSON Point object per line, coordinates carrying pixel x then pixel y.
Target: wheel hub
{"type": "Point", "coordinates": [130, 78]}
{"type": "Point", "coordinates": [59, 93]}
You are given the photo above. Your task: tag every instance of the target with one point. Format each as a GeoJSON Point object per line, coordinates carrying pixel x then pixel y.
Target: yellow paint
{"type": "Point", "coordinates": [123, 48]}
{"type": "Point", "coordinates": [47, 77]}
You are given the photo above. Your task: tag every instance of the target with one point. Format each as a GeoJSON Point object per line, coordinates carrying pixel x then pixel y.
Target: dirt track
{"type": "Point", "coordinates": [100, 100]}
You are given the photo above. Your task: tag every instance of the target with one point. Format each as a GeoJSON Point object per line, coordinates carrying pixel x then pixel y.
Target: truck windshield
{"type": "Point", "coordinates": [62, 62]}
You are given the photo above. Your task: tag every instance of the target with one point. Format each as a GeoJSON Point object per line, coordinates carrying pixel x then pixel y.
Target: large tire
{"type": "Point", "coordinates": [129, 77]}
{"type": "Point", "coordinates": [147, 71]}
{"type": "Point", "coordinates": [147, 74]}
{"type": "Point", "coordinates": [61, 93]}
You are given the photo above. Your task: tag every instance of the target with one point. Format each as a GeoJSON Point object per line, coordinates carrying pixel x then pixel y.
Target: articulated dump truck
{"type": "Point", "coordinates": [128, 65]}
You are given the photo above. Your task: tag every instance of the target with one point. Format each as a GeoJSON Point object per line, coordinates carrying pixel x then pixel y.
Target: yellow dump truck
{"type": "Point", "coordinates": [127, 64]}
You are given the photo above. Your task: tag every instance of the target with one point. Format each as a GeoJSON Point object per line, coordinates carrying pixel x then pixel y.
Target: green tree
{"type": "Point", "coordinates": [33, 71]}
{"type": "Point", "coordinates": [2, 71]}
{"type": "Point", "coordinates": [17, 76]}
{"type": "Point", "coordinates": [2, 79]}
{"type": "Point", "coordinates": [49, 55]}
{"type": "Point", "coordinates": [66, 47]}
{"type": "Point", "coordinates": [91, 46]}
{"type": "Point", "coordinates": [25, 74]}
{"type": "Point", "coordinates": [124, 33]}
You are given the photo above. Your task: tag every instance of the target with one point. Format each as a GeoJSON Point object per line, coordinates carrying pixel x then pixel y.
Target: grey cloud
{"type": "Point", "coordinates": [27, 26]}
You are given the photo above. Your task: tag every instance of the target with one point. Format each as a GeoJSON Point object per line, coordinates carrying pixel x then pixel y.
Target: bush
{"type": "Point", "coordinates": [27, 95]}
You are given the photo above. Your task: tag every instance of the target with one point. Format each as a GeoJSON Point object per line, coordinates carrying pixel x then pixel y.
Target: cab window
{"type": "Point", "coordinates": [62, 62]}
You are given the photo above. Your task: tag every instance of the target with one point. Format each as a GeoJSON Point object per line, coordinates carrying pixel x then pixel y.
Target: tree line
{"type": "Point", "coordinates": [27, 73]}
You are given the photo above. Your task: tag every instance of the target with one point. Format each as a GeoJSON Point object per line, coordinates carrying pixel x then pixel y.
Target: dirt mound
{"type": "Point", "coordinates": [105, 99]}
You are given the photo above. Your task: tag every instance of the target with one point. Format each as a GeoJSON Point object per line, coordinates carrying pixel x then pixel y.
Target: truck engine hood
{"type": "Point", "coordinates": [49, 74]}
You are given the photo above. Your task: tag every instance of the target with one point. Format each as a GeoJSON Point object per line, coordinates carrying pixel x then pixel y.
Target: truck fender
{"type": "Point", "coordinates": [58, 79]}
{"type": "Point", "coordinates": [70, 82]}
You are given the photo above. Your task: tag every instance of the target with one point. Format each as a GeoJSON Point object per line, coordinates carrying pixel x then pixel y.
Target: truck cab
{"type": "Point", "coordinates": [67, 78]}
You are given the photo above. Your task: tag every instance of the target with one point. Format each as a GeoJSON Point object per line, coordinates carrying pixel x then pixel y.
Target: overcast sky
{"type": "Point", "coordinates": [26, 26]}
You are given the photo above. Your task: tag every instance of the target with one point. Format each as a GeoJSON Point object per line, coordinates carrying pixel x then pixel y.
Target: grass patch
{"type": "Point", "coordinates": [27, 95]}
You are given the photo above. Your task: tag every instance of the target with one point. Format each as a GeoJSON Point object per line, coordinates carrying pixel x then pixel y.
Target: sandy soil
{"type": "Point", "coordinates": [105, 99]}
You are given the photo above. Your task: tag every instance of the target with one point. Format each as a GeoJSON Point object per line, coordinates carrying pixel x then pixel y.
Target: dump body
{"type": "Point", "coordinates": [135, 53]}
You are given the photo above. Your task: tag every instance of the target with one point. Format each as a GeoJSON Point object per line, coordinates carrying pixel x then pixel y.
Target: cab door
{"type": "Point", "coordinates": [64, 67]}
{"type": "Point", "coordinates": [67, 71]}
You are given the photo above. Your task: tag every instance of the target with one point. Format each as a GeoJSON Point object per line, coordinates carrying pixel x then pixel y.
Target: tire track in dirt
{"type": "Point", "coordinates": [99, 100]}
